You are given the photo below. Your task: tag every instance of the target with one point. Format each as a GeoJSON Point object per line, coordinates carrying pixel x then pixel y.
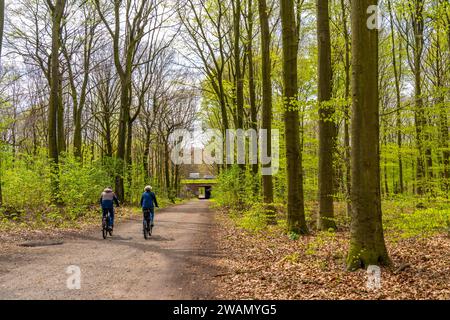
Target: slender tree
{"type": "Point", "coordinates": [295, 207]}
{"type": "Point", "coordinates": [137, 17]}
{"type": "Point", "coordinates": [239, 79]}
{"type": "Point", "coordinates": [266, 71]}
{"type": "Point", "coordinates": [327, 127]}
{"type": "Point", "coordinates": [417, 19]}
{"type": "Point", "coordinates": [367, 245]}
{"type": "Point", "coordinates": [347, 65]}
{"type": "Point", "coordinates": [57, 11]}
{"type": "Point", "coordinates": [251, 78]}
{"type": "Point", "coordinates": [397, 76]}
{"type": "Point", "coordinates": [2, 23]}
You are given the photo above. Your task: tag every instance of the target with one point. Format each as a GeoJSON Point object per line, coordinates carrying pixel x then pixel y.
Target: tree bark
{"type": "Point", "coordinates": [444, 119]}
{"type": "Point", "coordinates": [57, 11]}
{"type": "Point", "coordinates": [327, 128]}
{"type": "Point", "coordinates": [61, 125]}
{"type": "Point", "coordinates": [239, 81]}
{"type": "Point", "coordinates": [251, 82]}
{"type": "Point", "coordinates": [266, 71]}
{"type": "Point", "coordinates": [367, 245]}
{"type": "Point", "coordinates": [2, 23]}
{"type": "Point", "coordinates": [347, 109]}
{"type": "Point", "coordinates": [295, 206]}
{"type": "Point", "coordinates": [397, 77]}
{"type": "Point", "coordinates": [418, 29]}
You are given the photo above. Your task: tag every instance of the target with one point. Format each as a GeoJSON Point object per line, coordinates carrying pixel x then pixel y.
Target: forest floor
{"type": "Point", "coordinates": [176, 263]}
{"type": "Point", "coordinates": [268, 265]}
{"type": "Point", "coordinates": [196, 253]}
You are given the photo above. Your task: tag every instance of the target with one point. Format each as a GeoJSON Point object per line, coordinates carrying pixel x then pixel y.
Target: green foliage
{"type": "Point", "coordinates": [235, 189]}
{"type": "Point", "coordinates": [292, 258]}
{"type": "Point", "coordinates": [26, 182]}
{"type": "Point", "coordinates": [254, 219]}
{"type": "Point", "coordinates": [421, 222]}
{"type": "Point", "coordinates": [81, 184]}
{"type": "Point", "coordinates": [322, 238]}
{"type": "Point", "coordinates": [26, 187]}
{"type": "Point", "coordinates": [293, 236]}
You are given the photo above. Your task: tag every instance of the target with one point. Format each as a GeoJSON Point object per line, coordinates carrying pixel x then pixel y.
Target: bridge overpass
{"type": "Point", "coordinates": [202, 188]}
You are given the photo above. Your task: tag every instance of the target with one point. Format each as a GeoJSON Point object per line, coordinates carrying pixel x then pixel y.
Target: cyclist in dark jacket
{"type": "Point", "coordinates": [148, 204]}
{"type": "Point", "coordinates": [107, 200]}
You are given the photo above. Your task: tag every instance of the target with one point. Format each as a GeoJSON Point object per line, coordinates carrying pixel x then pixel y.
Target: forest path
{"type": "Point", "coordinates": [175, 263]}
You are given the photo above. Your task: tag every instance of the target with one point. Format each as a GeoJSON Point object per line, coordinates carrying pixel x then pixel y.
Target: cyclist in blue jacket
{"type": "Point", "coordinates": [148, 204]}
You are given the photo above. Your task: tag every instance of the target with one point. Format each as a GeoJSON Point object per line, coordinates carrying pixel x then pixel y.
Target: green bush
{"type": "Point", "coordinates": [235, 191]}
{"type": "Point", "coordinates": [253, 219]}
{"type": "Point", "coordinates": [26, 186]}
{"type": "Point", "coordinates": [26, 183]}
{"type": "Point", "coordinates": [81, 184]}
{"type": "Point", "coordinates": [422, 223]}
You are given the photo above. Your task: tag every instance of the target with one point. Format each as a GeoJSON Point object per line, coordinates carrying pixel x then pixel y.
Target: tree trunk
{"type": "Point", "coordinates": [397, 76]}
{"type": "Point", "coordinates": [61, 130]}
{"type": "Point", "coordinates": [385, 167]}
{"type": "Point", "coordinates": [1, 177]}
{"type": "Point", "coordinates": [251, 82]}
{"type": "Point", "coordinates": [57, 11]}
{"type": "Point", "coordinates": [239, 81]}
{"type": "Point", "coordinates": [128, 157]}
{"type": "Point", "coordinates": [2, 23]}
{"type": "Point", "coordinates": [347, 109]}
{"type": "Point", "coordinates": [146, 155]}
{"type": "Point", "coordinates": [367, 245]}
{"type": "Point", "coordinates": [327, 128]}
{"type": "Point", "coordinates": [266, 66]}
{"type": "Point", "coordinates": [418, 28]}
{"type": "Point", "coordinates": [444, 122]}
{"type": "Point", "coordinates": [295, 206]}
{"type": "Point", "coordinates": [165, 158]}
{"type": "Point", "coordinates": [122, 139]}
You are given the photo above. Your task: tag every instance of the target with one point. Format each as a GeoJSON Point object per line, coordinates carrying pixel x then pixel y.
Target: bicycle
{"type": "Point", "coordinates": [147, 225]}
{"type": "Point", "coordinates": [105, 226]}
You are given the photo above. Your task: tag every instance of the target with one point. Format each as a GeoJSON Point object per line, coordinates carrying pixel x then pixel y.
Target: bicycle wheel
{"type": "Point", "coordinates": [145, 229]}
{"type": "Point", "coordinates": [104, 229]}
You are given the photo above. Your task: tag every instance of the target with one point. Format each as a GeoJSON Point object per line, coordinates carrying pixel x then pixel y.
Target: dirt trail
{"type": "Point", "coordinates": [176, 263]}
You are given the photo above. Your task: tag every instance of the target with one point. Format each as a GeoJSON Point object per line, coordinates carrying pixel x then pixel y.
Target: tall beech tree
{"type": "Point", "coordinates": [251, 77]}
{"type": "Point", "coordinates": [137, 17]}
{"type": "Point", "coordinates": [367, 245]}
{"type": "Point", "coordinates": [347, 65]}
{"type": "Point", "coordinates": [54, 109]}
{"type": "Point", "coordinates": [396, 65]}
{"type": "Point", "coordinates": [295, 201]}
{"type": "Point", "coordinates": [327, 127]}
{"type": "Point", "coordinates": [418, 25]}
{"type": "Point", "coordinates": [266, 74]}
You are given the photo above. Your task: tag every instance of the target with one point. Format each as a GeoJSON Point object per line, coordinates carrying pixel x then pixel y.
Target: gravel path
{"type": "Point", "coordinates": [176, 263]}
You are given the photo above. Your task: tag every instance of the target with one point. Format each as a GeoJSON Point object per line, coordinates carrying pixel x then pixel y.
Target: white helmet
{"type": "Point", "coordinates": [148, 188]}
